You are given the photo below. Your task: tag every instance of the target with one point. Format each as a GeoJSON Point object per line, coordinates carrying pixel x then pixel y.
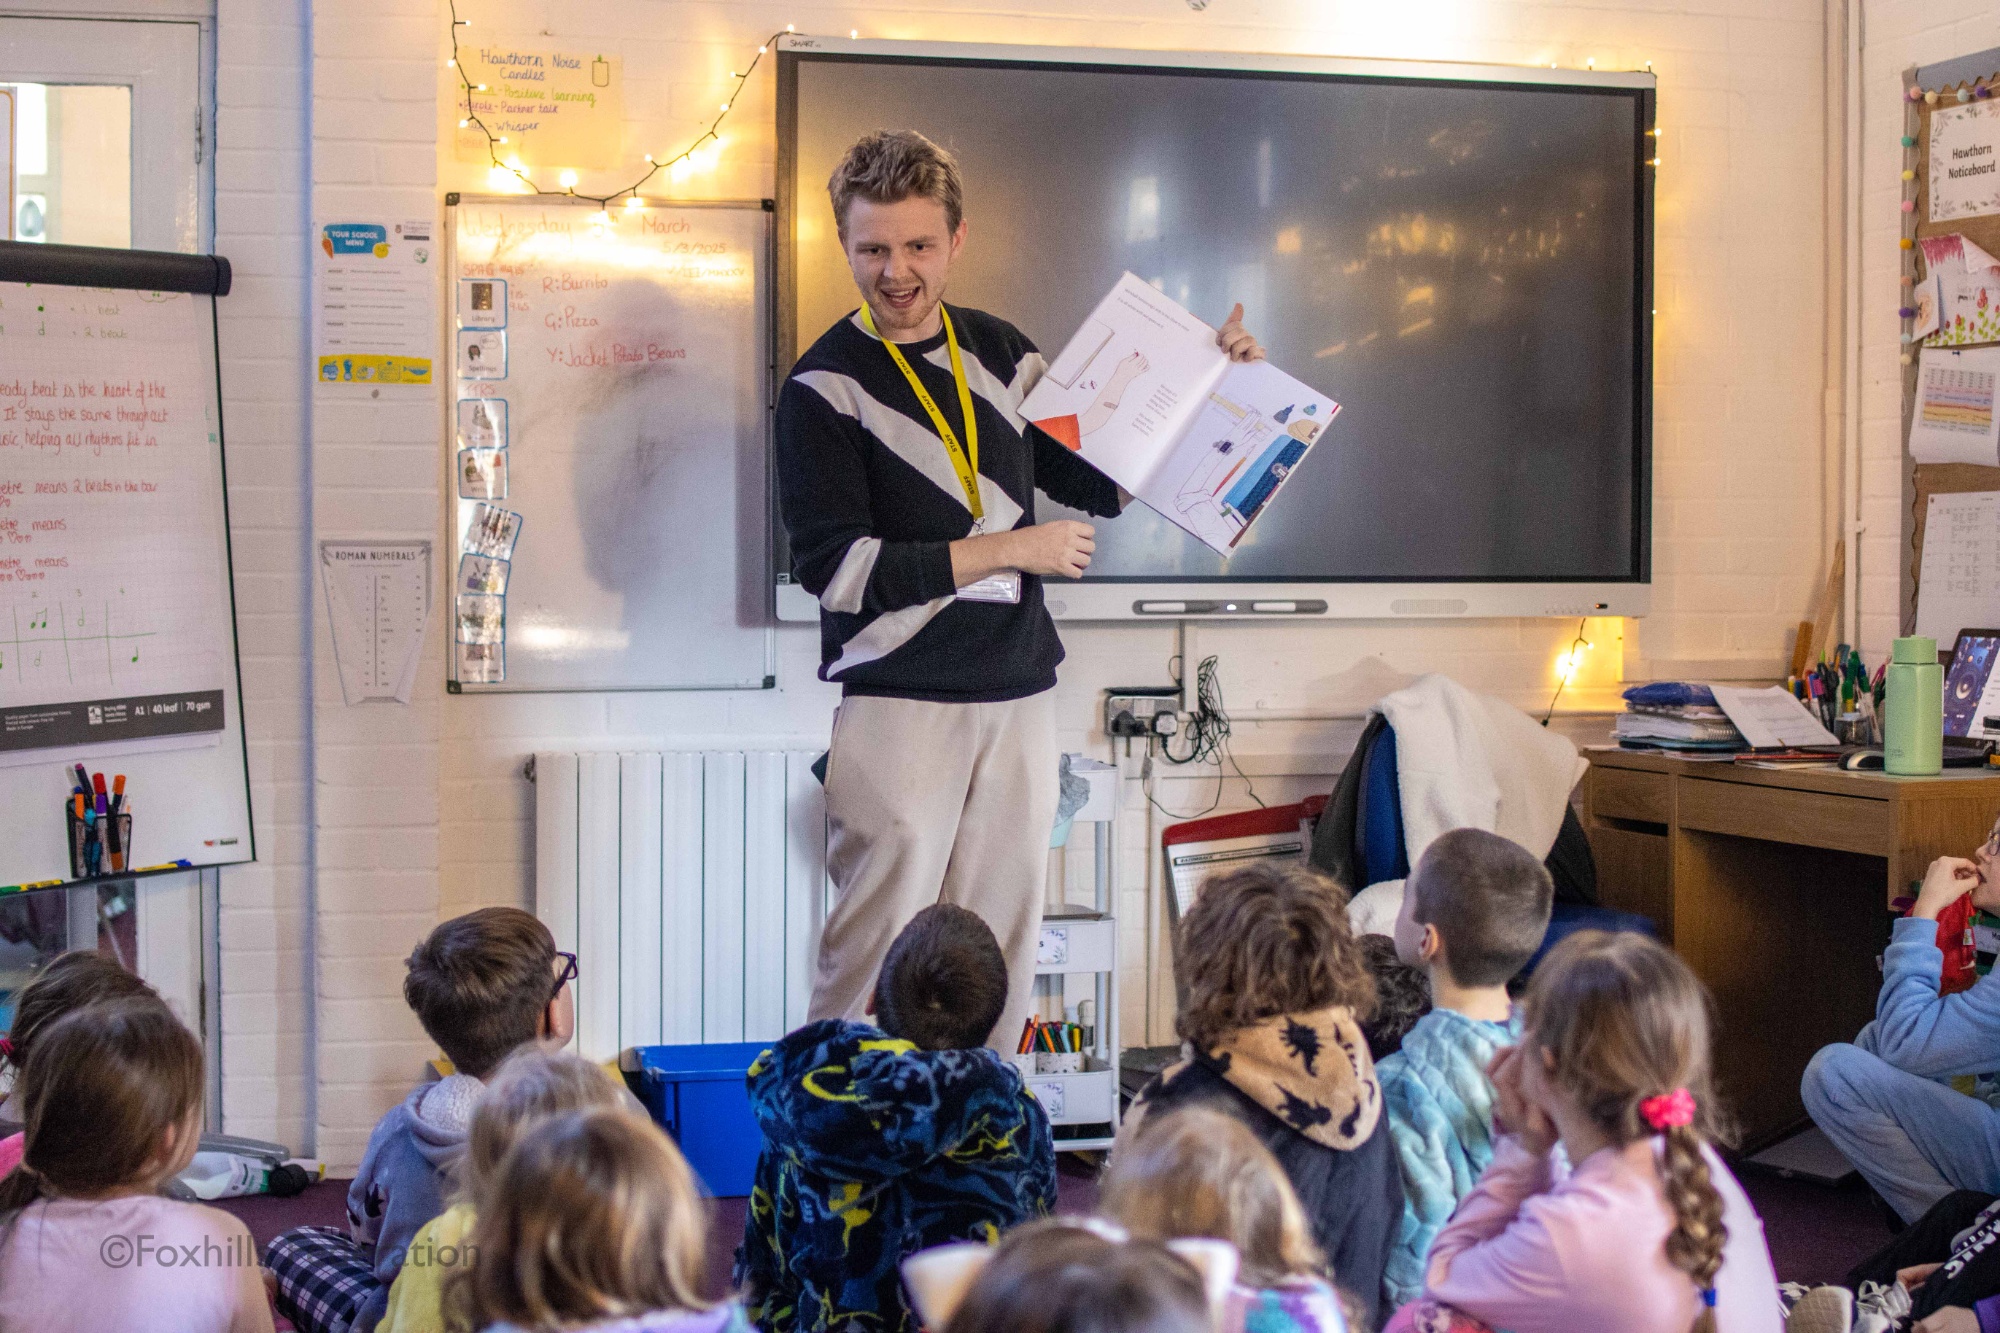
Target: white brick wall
{"type": "Point", "coordinates": [1898, 34]}
{"type": "Point", "coordinates": [376, 471]}
{"type": "Point", "coordinates": [260, 163]}
{"type": "Point", "coordinates": [421, 810]}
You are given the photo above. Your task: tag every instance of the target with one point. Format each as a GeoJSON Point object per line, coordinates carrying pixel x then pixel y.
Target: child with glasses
{"type": "Point", "coordinates": [1882, 1098]}
{"type": "Point", "coordinates": [482, 985]}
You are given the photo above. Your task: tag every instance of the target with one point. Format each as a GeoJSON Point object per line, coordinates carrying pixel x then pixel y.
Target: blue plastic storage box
{"type": "Point", "coordinates": [697, 1094]}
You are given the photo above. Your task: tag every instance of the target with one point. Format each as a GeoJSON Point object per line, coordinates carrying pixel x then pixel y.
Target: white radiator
{"type": "Point", "coordinates": [690, 885]}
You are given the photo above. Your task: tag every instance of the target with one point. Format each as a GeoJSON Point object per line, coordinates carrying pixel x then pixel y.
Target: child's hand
{"type": "Point", "coordinates": [1949, 879]}
{"type": "Point", "coordinates": [1513, 1112]}
{"type": "Point", "coordinates": [1952, 1319]}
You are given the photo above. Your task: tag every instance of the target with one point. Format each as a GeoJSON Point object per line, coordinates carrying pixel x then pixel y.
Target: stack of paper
{"type": "Point", "coordinates": [1682, 727]}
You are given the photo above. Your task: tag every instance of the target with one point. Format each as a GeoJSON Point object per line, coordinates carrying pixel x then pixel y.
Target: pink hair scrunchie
{"type": "Point", "coordinates": [1669, 1111]}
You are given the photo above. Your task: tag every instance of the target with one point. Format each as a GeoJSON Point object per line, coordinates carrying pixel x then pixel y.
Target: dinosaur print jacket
{"type": "Point", "coordinates": [874, 1150]}
{"type": "Point", "coordinates": [1306, 1085]}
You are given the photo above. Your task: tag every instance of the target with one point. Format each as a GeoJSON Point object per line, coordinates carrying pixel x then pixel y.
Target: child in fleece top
{"type": "Point", "coordinates": [482, 984]}
{"type": "Point", "coordinates": [1474, 912]}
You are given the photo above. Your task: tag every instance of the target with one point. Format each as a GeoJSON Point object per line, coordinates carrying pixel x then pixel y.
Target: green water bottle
{"type": "Point", "coordinates": [1913, 710]}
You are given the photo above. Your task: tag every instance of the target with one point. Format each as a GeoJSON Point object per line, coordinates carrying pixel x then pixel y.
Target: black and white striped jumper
{"type": "Point", "coordinates": [871, 503]}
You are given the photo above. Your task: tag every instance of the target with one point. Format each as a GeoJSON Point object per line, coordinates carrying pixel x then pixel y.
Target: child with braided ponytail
{"type": "Point", "coordinates": [1637, 1225]}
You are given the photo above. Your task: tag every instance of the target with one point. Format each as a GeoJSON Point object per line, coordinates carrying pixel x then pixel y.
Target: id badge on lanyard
{"type": "Point", "coordinates": [1006, 585]}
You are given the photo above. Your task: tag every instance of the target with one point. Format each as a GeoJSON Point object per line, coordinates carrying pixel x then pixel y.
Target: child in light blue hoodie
{"type": "Point", "coordinates": [481, 984]}
{"type": "Point", "coordinates": [1474, 911]}
{"type": "Point", "coordinates": [1883, 1098]}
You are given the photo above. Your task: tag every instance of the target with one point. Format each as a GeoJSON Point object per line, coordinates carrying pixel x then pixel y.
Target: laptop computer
{"type": "Point", "coordinates": [1972, 693]}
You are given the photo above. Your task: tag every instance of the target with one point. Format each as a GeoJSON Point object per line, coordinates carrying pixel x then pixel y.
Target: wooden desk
{"type": "Point", "coordinates": [1774, 885]}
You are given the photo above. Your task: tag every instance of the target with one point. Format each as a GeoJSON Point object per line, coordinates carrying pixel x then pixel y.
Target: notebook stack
{"type": "Point", "coordinates": [1675, 715]}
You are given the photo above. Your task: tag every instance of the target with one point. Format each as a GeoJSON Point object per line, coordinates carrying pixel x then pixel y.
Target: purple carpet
{"type": "Point", "coordinates": [1816, 1233]}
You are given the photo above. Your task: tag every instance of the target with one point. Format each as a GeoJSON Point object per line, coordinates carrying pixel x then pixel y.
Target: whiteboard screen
{"type": "Point", "coordinates": [117, 630]}
{"type": "Point", "coordinates": [607, 428]}
{"type": "Point", "coordinates": [1464, 265]}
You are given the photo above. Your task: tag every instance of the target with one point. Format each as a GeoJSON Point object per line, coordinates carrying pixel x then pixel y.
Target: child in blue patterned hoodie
{"type": "Point", "coordinates": [1474, 911]}
{"type": "Point", "coordinates": [879, 1142]}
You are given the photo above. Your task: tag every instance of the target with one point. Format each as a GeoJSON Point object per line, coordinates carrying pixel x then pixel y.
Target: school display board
{"type": "Point", "coordinates": [607, 428]}
{"type": "Point", "coordinates": [1951, 228]}
{"type": "Point", "coordinates": [117, 613]}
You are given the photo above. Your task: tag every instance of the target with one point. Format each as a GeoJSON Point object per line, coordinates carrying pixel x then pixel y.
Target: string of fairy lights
{"type": "Point", "coordinates": [511, 165]}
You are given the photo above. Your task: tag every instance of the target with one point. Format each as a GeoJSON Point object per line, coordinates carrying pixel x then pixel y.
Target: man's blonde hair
{"type": "Point", "coordinates": [889, 166]}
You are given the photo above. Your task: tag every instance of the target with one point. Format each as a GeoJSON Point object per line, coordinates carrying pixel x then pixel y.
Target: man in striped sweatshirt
{"type": "Point", "coordinates": [907, 479]}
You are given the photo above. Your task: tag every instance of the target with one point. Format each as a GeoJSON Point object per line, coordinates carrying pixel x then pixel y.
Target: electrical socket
{"type": "Point", "coordinates": [1132, 711]}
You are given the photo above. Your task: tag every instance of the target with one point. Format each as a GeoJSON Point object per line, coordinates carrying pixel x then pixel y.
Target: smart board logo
{"type": "Point", "coordinates": [96, 715]}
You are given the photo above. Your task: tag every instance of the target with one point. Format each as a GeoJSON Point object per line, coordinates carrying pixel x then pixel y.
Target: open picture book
{"type": "Point", "coordinates": [1143, 393]}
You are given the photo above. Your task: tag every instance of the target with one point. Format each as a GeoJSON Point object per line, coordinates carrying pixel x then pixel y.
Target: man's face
{"type": "Point", "coordinates": [899, 254]}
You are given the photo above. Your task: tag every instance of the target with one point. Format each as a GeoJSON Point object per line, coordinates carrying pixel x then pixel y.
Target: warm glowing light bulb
{"type": "Point", "coordinates": [463, 123]}
{"type": "Point", "coordinates": [479, 87]}
{"type": "Point", "coordinates": [635, 202]}
{"type": "Point", "coordinates": [649, 157]}
{"type": "Point", "coordinates": [725, 106]}
{"type": "Point", "coordinates": [451, 64]}
{"type": "Point", "coordinates": [760, 50]}
{"type": "Point", "coordinates": [1590, 62]}
{"type": "Point", "coordinates": [788, 27]}
{"type": "Point", "coordinates": [854, 32]}
{"type": "Point", "coordinates": [499, 177]}
{"type": "Point", "coordinates": [567, 180]}
{"type": "Point", "coordinates": [501, 139]}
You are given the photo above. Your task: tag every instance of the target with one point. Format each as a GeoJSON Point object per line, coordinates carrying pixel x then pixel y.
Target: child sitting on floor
{"type": "Point", "coordinates": [1197, 1172]}
{"type": "Point", "coordinates": [65, 984]}
{"type": "Point", "coordinates": [1640, 1228]}
{"type": "Point", "coordinates": [592, 1221]}
{"type": "Point", "coordinates": [531, 1087]}
{"type": "Point", "coordinates": [1881, 1099]}
{"type": "Point", "coordinates": [879, 1142]}
{"type": "Point", "coordinates": [1402, 996]}
{"type": "Point", "coordinates": [481, 984]}
{"type": "Point", "coordinates": [1474, 911]}
{"type": "Point", "coordinates": [1064, 1277]}
{"type": "Point", "coordinates": [1276, 989]}
{"type": "Point", "coordinates": [112, 1095]}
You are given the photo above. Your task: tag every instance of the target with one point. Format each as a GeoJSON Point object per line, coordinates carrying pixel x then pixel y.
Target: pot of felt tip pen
{"type": "Point", "coordinates": [100, 826]}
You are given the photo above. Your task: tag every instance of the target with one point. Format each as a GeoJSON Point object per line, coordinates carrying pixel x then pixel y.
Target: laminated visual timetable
{"type": "Point", "coordinates": [1143, 393]}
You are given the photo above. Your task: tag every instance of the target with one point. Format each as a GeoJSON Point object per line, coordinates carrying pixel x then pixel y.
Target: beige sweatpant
{"type": "Point", "coordinates": [926, 803]}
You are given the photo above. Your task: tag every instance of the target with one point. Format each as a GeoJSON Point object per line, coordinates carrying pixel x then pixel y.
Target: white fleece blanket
{"type": "Point", "coordinates": [1466, 760]}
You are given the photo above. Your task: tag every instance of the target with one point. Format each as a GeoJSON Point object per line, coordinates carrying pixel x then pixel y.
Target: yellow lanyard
{"type": "Point", "coordinates": [964, 457]}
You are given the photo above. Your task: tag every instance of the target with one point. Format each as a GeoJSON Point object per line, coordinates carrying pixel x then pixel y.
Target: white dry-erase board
{"type": "Point", "coordinates": [117, 614]}
{"type": "Point", "coordinates": [606, 432]}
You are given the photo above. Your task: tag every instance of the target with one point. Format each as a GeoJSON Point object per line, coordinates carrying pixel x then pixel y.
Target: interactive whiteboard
{"type": "Point", "coordinates": [117, 615]}
{"type": "Point", "coordinates": [611, 382]}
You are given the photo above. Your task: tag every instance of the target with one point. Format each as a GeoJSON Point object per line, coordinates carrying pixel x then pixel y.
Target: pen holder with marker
{"type": "Point", "coordinates": [100, 845]}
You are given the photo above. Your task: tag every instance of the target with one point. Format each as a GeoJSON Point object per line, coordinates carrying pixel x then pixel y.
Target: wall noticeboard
{"type": "Point", "coordinates": [607, 435]}
{"type": "Point", "coordinates": [1922, 480]}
